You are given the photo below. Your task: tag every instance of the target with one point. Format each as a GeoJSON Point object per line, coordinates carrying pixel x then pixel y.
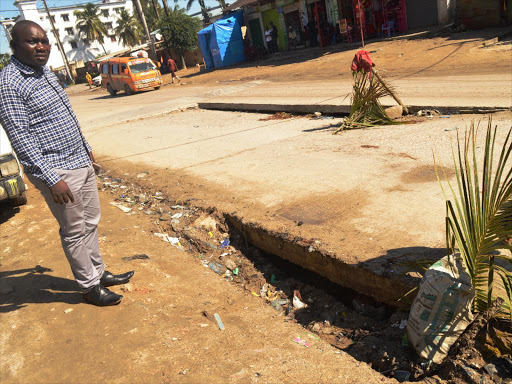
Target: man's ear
{"type": "Point", "coordinates": [13, 46]}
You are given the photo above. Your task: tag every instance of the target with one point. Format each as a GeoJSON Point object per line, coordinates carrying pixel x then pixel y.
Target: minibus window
{"type": "Point", "coordinates": [123, 68]}
{"type": "Point", "coordinates": [115, 69]}
{"type": "Point", "coordinates": [141, 67]}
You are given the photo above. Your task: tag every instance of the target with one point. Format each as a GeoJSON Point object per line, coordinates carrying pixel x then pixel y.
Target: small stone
{"type": "Point", "coordinates": [318, 114]}
{"type": "Point", "coordinates": [142, 175]}
{"type": "Point", "coordinates": [402, 376]}
{"type": "Point", "coordinates": [490, 369]}
{"type": "Point", "coordinates": [68, 310]}
{"type": "Point", "coordinates": [149, 212]}
{"type": "Point", "coordinates": [127, 288]}
{"type": "Point", "coordinates": [230, 264]}
{"type": "Point", "coordinates": [394, 112]}
{"type": "Point", "coordinates": [165, 217]}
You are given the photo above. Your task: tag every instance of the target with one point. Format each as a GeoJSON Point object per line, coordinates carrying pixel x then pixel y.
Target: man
{"type": "Point", "coordinates": [274, 37]}
{"type": "Point", "coordinates": [173, 68]}
{"type": "Point", "coordinates": [45, 134]}
{"type": "Point", "coordinates": [292, 38]}
{"type": "Point", "coordinates": [268, 40]}
{"type": "Point", "coordinates": [88, 77]}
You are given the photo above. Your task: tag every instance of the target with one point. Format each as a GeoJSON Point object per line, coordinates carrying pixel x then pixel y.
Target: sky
{"type": "Point", "coordinates": [7, 10]}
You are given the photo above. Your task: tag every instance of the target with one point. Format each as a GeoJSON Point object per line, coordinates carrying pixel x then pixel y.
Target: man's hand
{"type": "Point", "coordinates": [96, 166]}
{"type": "Point", "coordinates": [91, 156]}
{"type": "Point", "coordinates": [61, 193]}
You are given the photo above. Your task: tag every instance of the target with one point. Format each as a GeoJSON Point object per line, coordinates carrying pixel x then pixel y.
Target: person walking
{"type": "Point", "coordinates": [173, 68]}
{"type": "Point", "coordinates": [274, 37]}
{"type": "Point", "coordinates": [45, 134]}
{"type": "Point", "coordinates": [88, 77]}
{"type": "Point", "coordinates": [268, 40]}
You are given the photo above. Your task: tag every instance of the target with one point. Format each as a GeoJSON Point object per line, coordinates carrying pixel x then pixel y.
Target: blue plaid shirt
{"type": "Point", "coordinates": [38, 119]}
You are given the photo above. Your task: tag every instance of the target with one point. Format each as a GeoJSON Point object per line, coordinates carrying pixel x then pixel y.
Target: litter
{"type": "Point", "coordinates": [273, 279]}
{"type": "Point", "coordinates": [230, 264]}
{"type": "Point", "coordinates": [142, 175]}
{"type": "Point", "coordinates": [445, 116]}
{"type": "Point", "coordinates": [178, 207]}
{"type": "Point", "coordinates": [402, 376]}
{"type": "Point", "coordinates": [142, 256]}
{"type": "Point", "coordinates": [225, 243]}
{"type": "Point", "coordinates": [216, 267]}
{"type": "Point", "coordinates": [317, 114]}
{"type": "Point", "coordinates": [203, 325]}
{"type": "Point", "coordinates": [403, 324]}
{"type": "Point", "coordinates": [162, 236]}
{"type": "Point", "coordinates": [219, 321]}
{"type": "Point", "coordinates": [264, 290]}
{"type": "Point", "coordinates": [210, 234]}
{"type": "Point", "coordinates": [177, 215]}
{"type": "Point", "coordinates": [297, 303]}
{"type": "Point", "coordinates": [68, 310]}
{"type": "Point", "coordinates": [441, 310]}
{"type": "Point", "coordinates": [298, 340]}
{"type": "Point", "coordinates": [235, 271]}
{"type": "Point", "coordinates": [121, 207]}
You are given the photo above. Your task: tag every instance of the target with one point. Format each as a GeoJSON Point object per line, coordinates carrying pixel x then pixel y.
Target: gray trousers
{"type": "Point", "coordinates": [78, 223]}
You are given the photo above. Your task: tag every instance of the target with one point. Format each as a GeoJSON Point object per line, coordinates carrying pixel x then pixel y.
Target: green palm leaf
{"type": "Point", "coordinates": [479, 215]}
{"type": "Point", "coordinates": [89, 24]}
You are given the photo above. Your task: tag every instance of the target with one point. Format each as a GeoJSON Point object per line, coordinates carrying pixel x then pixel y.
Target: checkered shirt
{"type": "Point", "coordinates": [40, 123]}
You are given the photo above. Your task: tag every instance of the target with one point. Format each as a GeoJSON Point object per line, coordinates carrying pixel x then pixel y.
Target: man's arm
{"type": "Point", "coordinates": [14, 118]}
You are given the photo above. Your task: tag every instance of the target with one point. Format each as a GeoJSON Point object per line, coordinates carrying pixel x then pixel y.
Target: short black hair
{"type": "Point", "coordinates": [21, 27]}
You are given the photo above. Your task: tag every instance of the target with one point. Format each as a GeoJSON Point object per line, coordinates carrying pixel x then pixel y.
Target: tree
{"type": "Point", "coordinates": [89, 24]}
{"type": "Point", "coordinates": [4, 60]}
{"type": "Point", "coordinates": [202, 5]}
{"type": "Point", "coordinates": [128, 29]}
{"type": "Point", "coordinates": [179, 31]}
{"type": "Point", "coordinates": [149, 13]}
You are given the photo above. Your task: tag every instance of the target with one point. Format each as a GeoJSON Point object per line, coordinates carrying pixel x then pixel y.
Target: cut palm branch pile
{"type": "Point", "coordinates": [366, 110]}
{"type": "Point", "coordinates": [479, 216]}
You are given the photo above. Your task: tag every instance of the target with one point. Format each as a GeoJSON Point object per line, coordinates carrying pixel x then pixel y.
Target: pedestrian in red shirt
{"type": "Point", "coordinates": [173, 68]}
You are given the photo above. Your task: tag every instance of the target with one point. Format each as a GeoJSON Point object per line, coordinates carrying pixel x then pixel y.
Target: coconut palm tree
{"type": "Point", "coordinates": [89, 24]}
{"type": "Point", "coordinates": [479, 215]}
{"type": "Point", "coordinates": [128, 29]}
{"type": "Point", "coordinates": [202, 5]}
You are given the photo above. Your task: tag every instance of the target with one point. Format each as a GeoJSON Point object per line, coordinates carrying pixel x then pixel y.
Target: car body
{"type": "Point", "coordinates": [96, 81]}
{"type": "Point", "coordinates": [12, 185]}
{"type": "Point", "coordinates": [129, 74]}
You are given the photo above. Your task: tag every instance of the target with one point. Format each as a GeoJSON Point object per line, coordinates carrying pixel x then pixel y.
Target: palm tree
{"type": "Point", "coordinates": [89, 24]}
{"type": "Point", "coordinates": [479, 216]}
{"type": "Point", "coordinates": [128, 29]}
{"type": "Point", "coordinates": [202, 5]}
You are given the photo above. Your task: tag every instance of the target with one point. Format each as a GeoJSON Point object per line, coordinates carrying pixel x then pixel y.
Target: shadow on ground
{"type": "Point", "coordinates": [35, 286]}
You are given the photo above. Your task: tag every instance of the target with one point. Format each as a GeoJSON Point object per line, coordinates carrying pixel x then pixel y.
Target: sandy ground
{"type": "Point", "coordinates": [367, 195]}
{"type": "Point", "coordinates": [158, 334]}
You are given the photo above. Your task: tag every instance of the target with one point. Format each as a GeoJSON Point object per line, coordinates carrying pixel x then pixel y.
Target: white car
{"type": "Point", "coordinates": [96, 81]}
{"type": "Point", "coordinates": [12, 185]}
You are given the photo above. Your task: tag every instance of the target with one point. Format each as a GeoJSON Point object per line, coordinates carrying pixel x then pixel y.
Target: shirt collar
{"type": "Point", "coordinates": [25, 68]}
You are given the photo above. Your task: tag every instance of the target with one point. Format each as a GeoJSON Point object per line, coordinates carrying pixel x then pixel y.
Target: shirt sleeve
{"type": "Point", "coordinates": [14, 118]}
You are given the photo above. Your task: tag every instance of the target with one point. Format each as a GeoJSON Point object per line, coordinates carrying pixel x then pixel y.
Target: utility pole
{"type": "Point", "coordinates": [156, 9]}
{"type": "Point", "coordinates": [166, 7]}
{"type": "Point", "coordinates": [59, 44]}
{"type": "Point", "coordinates": [144, 24]}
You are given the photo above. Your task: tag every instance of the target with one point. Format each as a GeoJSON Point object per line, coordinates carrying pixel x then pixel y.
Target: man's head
{"type": "Point", "coordinates": [29, 44]}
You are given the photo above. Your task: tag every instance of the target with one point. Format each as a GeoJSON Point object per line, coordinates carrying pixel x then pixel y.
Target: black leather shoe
{"type": "Point", "coordinates": [108, 279]}
{"type": "Point", "coordinates": [102, 297]}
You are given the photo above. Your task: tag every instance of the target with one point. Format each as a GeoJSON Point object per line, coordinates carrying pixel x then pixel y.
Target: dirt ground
{"type": "Point", "coordinates": [163, 331]}
{"type": "Point", "coordinates": [159, 333]}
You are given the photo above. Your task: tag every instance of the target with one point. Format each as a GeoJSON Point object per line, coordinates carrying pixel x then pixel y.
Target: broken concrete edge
{"type": "Point", "coordinates": [356, 277]}
{"type": "Point", "coordinates": [338, 110]}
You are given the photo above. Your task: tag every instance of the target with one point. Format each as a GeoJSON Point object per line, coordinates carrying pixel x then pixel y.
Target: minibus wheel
{"type": "Point", "coordinates": [111, 90]}
{"type": "Point", "coordinates": [128, 90]}
{"type": "Point", "coordinates": [157, 88]}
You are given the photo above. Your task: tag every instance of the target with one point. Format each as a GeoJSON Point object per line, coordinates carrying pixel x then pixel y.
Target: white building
{"type": "Point", "coordinates": [75, 47]}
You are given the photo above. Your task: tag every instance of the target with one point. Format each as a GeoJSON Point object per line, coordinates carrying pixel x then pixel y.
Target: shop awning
{"type": "Point", "coordinates": [240, 3]}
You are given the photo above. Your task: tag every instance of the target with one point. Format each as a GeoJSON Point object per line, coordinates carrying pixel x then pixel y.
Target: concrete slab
{"type": "Point", "coordinates": [367, 201]}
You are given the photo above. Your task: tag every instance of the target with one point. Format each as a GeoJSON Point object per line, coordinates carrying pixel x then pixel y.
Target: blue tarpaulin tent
{"type": "Point", "coordinates": [221, 43]}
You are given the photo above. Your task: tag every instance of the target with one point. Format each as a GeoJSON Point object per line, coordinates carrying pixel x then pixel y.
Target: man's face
{"type": "Point", "coordinates": [32, 46]}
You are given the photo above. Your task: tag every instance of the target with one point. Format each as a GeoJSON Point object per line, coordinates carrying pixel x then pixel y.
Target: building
{"type": "Point", "coordinates": [76, 48]}
{"type": "Point", "coordinates": [317, 21]}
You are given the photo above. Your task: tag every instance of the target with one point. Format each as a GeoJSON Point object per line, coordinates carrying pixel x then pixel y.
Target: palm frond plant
{"type": "Point", "coordinates": [479, 215]}
{"type": "Point", "coordinates": [202, 6]}
{"type": "Point", "coordinates": [366, 110]}
{"type": "Point", "coordinates": [89, 24]}
{"type": "Point", "coordinates": [128, 29]}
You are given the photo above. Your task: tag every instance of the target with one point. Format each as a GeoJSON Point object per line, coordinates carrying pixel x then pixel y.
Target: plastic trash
{"type": "Point", "coordinates": [298, 340]}
{"type": "Point", "coordinates": [235, 271]}
{"type": "Point", "coordinates": [441, 310]}
{"type": "Point", "coordinates": [120, 206]}
{"type": "Point", "coordinates": [297, 303]}
{"type": "Point", "coordinates": [225, 243]}
{"type": "Point", "coordinates": [403, 324]}
{"type": "Point", "coordinates": [142, 256]}
{"type": "Point", "coordinates": [219, 321]}
{"type": "Point", "coordinates": [177, 215]}
{"type": "Point", "coordinates": [216, 267]}
{"type": "Point", "coordinates": [402, 376]}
